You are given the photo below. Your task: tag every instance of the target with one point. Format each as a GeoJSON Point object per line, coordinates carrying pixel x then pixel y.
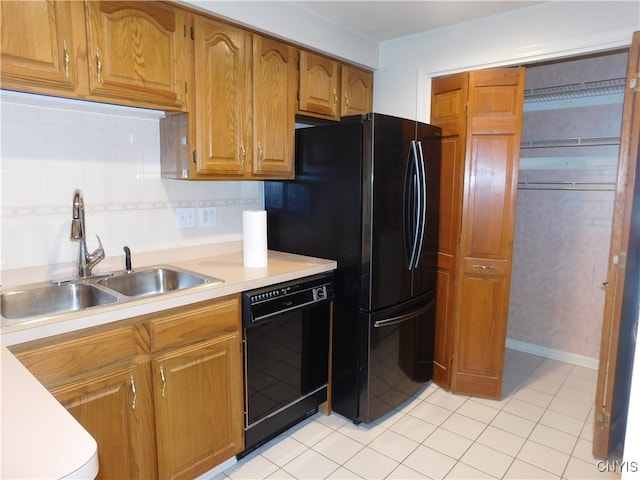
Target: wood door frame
{"type": "Point", "coordinates": [608, 430]}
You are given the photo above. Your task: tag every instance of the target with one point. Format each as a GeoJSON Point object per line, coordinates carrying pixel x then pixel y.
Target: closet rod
{"type": "Point", "coordinates": [580, 186]}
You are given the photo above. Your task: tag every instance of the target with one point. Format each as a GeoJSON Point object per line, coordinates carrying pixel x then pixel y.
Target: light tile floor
{"type": "Point", "coordinates": [541, 429]}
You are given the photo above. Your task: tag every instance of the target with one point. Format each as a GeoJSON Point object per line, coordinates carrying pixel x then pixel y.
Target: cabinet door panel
{"type": "Point", "coordinates": [117, 410]}
{"type": "Point", "coordinates": [483, 273]}
{"type": "Point", "coordinates": [319, 85]}
{"type": "Point", "coordinates": [357, 91]}
{"type": "Point", "coordinates": [222, 64]}
{"type": "Point", "coordinates": [274, 95]}
{"type": "Point", "coordinates": [135, 50]}
{"type": "Point", "coordinates": [448, 103]}
{"type": "Point", "coordinates": [38, 45]}
{"type": "Point", "coordinates": [199, 406]}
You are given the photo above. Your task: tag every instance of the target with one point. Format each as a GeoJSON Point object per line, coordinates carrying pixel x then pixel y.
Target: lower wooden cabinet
{"type": "Point", "coordinates": [198, 399]}
{"type": "Point", "coordinates": [162, 394]}
{"type": "Point", "coordinates": [116, 408]}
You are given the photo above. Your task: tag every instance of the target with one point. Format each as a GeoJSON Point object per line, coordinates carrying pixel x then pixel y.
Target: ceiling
{"type": "Point", "coordinates": [382, 20]}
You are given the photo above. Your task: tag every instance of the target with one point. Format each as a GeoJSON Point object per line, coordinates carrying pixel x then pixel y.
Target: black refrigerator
{"type": "Point", "coordinates": [366, 194]}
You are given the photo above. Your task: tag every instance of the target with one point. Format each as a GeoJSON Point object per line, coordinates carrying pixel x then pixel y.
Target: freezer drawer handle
{"type": "Point", "coordinates": [407, 316]}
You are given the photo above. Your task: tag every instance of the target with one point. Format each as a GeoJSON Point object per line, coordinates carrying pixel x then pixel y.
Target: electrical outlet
{"type": "Point", "coordinates": [207, 216]}
{"type": "Point", "coordinates": [185, 217]}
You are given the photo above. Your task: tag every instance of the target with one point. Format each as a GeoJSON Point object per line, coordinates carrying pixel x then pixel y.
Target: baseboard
{"type": "Point", "coordinates": [554, 354]}
{"type": "Point", "coordinates": [214, 472]}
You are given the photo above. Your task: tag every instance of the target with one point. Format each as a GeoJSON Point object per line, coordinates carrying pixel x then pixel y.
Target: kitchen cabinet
{"type": "Point", "coordinates": [136, 52]}
{"type": "Point", "coordinates": [319, 86]}
{"type": "Point", "coordinates": [481, 116]}
{"type": "Point", "coordinates": [198, 387]}
{"type": "Point", "coordinates": [102, 380]}
{"type": "Point", "coordinates": [129, 53]}
{"type": "Point", "coordinates": [43, 47]}
{"type": "Point", "coordinates": [242, 109]}
{"type": "Point", "coordinates": [162, 393]}
{"type": "Point", "coordinates": [357, 91]}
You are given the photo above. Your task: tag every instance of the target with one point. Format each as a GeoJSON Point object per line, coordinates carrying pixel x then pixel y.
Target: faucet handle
{"type": "Point", "coordinates": [98, 253]}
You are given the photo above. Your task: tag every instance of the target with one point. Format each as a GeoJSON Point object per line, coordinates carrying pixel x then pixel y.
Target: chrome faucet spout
{"type": "Point", "coordinates": [86, 260]}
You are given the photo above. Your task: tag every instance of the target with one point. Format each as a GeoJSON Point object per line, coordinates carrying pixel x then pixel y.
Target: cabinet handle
{"type": "Point", "coordinates": [243, 152]}
{"type": "Point", "coordinates": [260, 155]}
{"type": "Point", "coordinates": [346, 103]}
{"type": "Point", "coordinates": [99, 65]}
{"type": "Point", "coordinates": [164, 382]}
{"type": "Point", "coordinates": [67, 58]}
{"type": "Point", "coordinates": [484, 267]}
{"type": "Point", "coordinates": [335, 97]}
{"type": "Point", "coordinates": [133, 391]}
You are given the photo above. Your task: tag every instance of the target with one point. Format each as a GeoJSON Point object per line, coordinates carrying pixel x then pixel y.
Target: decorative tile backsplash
{"type": "Point", "coordinates": [50, 147]}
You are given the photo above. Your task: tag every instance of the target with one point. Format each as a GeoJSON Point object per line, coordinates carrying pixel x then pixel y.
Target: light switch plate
{"type": "Point", "coordinates": [185, 217]}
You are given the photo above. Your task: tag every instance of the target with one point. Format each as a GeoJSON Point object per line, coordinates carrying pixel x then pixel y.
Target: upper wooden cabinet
{"type": "Point", "coordinates": [357, 91]}
{"type": "Point", "coordinates": [129, 53]}
{"type": "Point", "coordinates": [274, 101]}
{"type": "Point", "coordinates": [136, 51]}
{"type": "Point", "coordinates": [329, 89]}
{"type": "Point", "coordinates": [319, 92]}
{"type": "Point", "coordinates": [242, 108]}
{"type": "Point", "coordinates": [42, 45]}
{"type": "Point", "coordinates": [221, 99]}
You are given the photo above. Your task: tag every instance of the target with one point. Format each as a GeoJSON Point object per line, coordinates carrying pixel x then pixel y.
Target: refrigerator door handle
{"type": "Point", "coordinates": [411, 205]}
{"type": "Point", "coordinates": [422, 219]}
{"type": "Point", "coordinates": [405, 316]}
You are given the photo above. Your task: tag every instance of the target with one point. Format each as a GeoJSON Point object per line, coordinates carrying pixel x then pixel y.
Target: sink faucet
{"type": "Point", "coordinates": [86, 260]}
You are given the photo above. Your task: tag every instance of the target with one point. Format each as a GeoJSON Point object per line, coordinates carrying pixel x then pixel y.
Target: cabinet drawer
{"type": "Point", "coordinates": [195, 322]}
{"type": "Point", "coordinates": [62, 360]}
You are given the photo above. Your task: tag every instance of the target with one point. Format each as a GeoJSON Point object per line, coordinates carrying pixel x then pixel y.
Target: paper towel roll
{"type": "Point", "coordinates": [254, 238]}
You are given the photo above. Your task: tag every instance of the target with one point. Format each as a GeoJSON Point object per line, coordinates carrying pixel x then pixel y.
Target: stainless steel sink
{"type": "Point", "coordinates": [52, 299]}
{"type": "Point", "coordinates": [154, 281]}
{"type": "Point", "coordinates": [31, 302]}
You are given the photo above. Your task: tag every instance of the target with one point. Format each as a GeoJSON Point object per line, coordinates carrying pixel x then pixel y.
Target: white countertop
{"type": "Point", "coordinates": [39, 438]}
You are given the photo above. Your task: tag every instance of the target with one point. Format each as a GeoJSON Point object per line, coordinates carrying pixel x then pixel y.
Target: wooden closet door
{"type": "Point", "coordinates": [483, 271]}
{"type": "Point", "coordinates": [448, 102]}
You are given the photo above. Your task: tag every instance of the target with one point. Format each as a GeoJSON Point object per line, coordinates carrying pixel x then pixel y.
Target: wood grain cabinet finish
{"type": "Point", "coordinates": [136, 51]}
{"type": "Point", "coordinates": [478, 274]}
{"type": "Point", "coordinates": [242, 108]}
{"type": "Point", "coordinates": [319, 88]}
{"type": "Point", "coordinates": [101, 377]}
{"type": "Point", "coordinates": [357, 91]}
{"type": "Point", "coordinates": [43, 46]}
{"type": "Point", "coordinates": [162, 394]}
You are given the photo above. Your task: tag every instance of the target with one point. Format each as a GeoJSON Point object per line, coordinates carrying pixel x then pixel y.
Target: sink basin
{"type": "Point", "coordinates": [52, 299]}
{"type": "Point", "coordinates": [154, 281]}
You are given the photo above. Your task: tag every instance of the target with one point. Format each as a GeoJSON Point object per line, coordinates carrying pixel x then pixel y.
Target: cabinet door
{"type": "Point", "coordinates": [135, 51]}
{"type": "Point", "coordinates": [274, 97]}
{"type": "Point", "coordinates": [198, 395]}
{"type": "Point", "coordinates": [448, 102]}
{"type": "Point", "coordinates": [486, 242]}
{"type": "Point", "coordinates": [357, 91]}
{"type": "Point", "coordinates": [41, 41]}
{"type": "Point", "coordinates": [319, 86]}
{"type": "Point", "coordinates": [221, 99]}
{"type": "Point", "coordinates": [117, 410]}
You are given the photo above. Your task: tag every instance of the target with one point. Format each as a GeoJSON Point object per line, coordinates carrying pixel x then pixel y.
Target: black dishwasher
{"type": "Point", "coordinates": [286, 334]}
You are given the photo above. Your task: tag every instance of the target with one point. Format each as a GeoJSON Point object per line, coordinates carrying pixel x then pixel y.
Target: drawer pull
{"type": "Point", "coordinates": [164, 382]}
{"type": "Point", "coordinates": [484, 267]}
{"type": "Point", "coordinates": [133, 391]}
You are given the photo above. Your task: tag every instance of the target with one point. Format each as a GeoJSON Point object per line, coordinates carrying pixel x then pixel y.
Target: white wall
{"type": "Point", "coordinates": [49, 147]}
{"type": "Point", "coordinates": [548, 30]}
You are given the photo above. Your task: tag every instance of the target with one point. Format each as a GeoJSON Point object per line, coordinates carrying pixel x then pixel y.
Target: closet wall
{"type": "Point", "coordinates": [568, 165]}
